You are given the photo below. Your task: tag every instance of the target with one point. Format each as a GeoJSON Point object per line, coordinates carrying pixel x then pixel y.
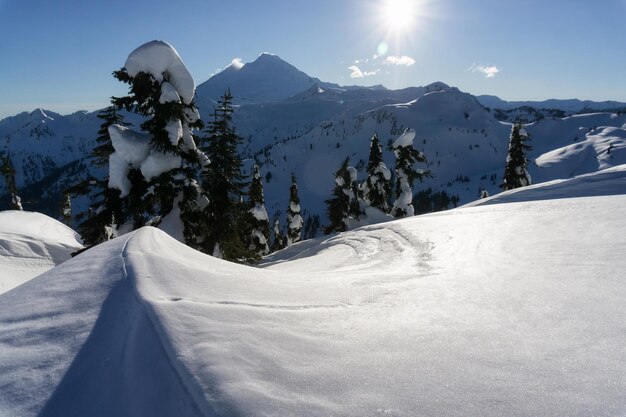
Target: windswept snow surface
{"type": "Point", "coordinates": [30, 244]}
{"type": "Point", "coordinates": [502, 309]}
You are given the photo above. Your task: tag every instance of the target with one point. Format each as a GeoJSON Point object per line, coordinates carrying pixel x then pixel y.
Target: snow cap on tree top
{"type": "Point", "coordinates": [160, 59]}
{"type": "Point", "coordinates": [406, 139]}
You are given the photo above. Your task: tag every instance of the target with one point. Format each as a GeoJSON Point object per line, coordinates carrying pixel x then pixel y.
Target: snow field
{"type": "Point", "coordinates": [30, 244]}
{"type": "Point", "coordinates": [500, 309]}
{"type": "Point", "coordinates": [481, 311]}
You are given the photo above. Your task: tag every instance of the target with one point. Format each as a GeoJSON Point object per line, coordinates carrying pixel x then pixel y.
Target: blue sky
{"type": "Point", "coordinates": [60, 54]}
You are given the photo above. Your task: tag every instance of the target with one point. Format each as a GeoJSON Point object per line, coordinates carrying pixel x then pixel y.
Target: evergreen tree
{"type": "Point", "coordinates": [259, 221]}
{"type": "Point", "coordinates": [294, 219]}
{"type": "Point", "coordinates": [106, 209]}
{"type": "Point", "coordinates": [66, 211]}
{"type": "Point", "coordinates": [311, 226]}
{"type": "Point", "coordinates": [156, 169]}
{"type": "Point", "coordinates": [377, 187]}
{"type": "Point", "coordinates": [224, 185]}
{"type": "Point", "coordinates": [343, 203]}
{"type": "Point", "coordinates": [280, 242]}
{"type": "Point", "coordinates": [484, 193]}
{"type": "Point", "coordinates": [8, 170]}
{"type": "Point", "coordinates": [516, 170]}
{"type": "Point", "coordinates": [406, 157]}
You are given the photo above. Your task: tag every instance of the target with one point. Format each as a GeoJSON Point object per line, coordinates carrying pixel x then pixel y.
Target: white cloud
{"type": "Point", "coordinates": [237, 63]}
{"type": "Point", "coordinates": [488, 71]}
{"type": "Point", "coordinates": [399, 60]}
{"type": "Point", "coordinates": [357, 73]}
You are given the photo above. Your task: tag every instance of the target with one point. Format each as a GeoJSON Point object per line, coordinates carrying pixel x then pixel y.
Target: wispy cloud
{"type": "Point", "coordinates": [358, 73]}
{"type": "Point", "coordinates": [488, 71]}
{"type": "Point", "coordinates": [399, 60]}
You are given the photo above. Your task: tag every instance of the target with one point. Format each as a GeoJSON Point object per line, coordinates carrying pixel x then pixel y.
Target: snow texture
{"type": "Point", "coordinates": [161, 60]}
{"type": "Point", "coordinates": [499, 309]}
{"type": "Point", "coordinates": [174, 129]}
{"type": "Point", "coordinates": [405, 140]}
{"type": "Point", "coordinates": [30, 244]}
{"type": "Point", "coordinates": [131, 149]}
{"type": "Point", "coordinates": [353, 173]}
{"type": "Point", "coordinates": [294, 207]}
{"type": "Point", "coordinates": [158, 162]}
{"type": "Point", "coordinates": [132, 146]}
{"type": "Point", "coordinates": [168, 93]}
{"type": "Point", "coordinates": [260, 213]}
{"type": "Point", "coordinates": [296, 222]}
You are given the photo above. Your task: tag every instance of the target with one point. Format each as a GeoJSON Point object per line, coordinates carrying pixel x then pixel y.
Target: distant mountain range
{"type": "Point", "coordinates": [571, 105]}
{"type": "Point", "coordinates": [292, 122]}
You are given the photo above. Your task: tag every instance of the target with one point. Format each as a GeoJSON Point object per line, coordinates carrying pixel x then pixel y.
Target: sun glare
{"type": "Point", "coordinates": [399, 15]}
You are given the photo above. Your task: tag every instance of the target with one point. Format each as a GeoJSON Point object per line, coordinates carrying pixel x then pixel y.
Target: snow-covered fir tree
{"type": "Point", "coordinates": [155, 169]}
{"type": "Point", "coordinates": [516, 171]}
{"type": "Point", "coordinates": [259, 221]}
{"type": "Point", "coordinates": [8, 171]}
{"type": "Point", "coordinates": [294, 219]}
{"type": "Point", "coordinates": [66, 210]}
{"type": "Point", "coordinates": [280, 241]}
{"type": "Point", "coordinates": [224, 184]}
{"type": "Point", "coordinates": [344, 203]}
{"type": "Point", "coordinates": [106, 210]}
{"type": "Point", "coordinates": [406, 157]}
{"type": "Point", "coordinates": [484, 193]}
{"type": "Point", "coordinates": [376, 189]}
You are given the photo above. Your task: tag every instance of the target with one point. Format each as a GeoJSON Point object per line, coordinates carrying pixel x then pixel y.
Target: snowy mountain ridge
{"type": "Point", "coordinates": [569, 105]}
{"type": "Point", "coordinates": [308, 127]}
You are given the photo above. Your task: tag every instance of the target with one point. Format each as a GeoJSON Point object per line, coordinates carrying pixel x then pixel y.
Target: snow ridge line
{"type": "Point", "coordinates": [184, 376]}
{"type": "Point", "coordinates": [271, 306]}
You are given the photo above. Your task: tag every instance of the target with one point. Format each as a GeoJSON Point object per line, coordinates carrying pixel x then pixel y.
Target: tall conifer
{"type": "Point", "coordinates": [377, 187]}
{"type": "Point", "coordinates": [516, 170]}
{"type": "Point", "coordinates": [224, 184]}
{"type": "Point", "coordinates": [341, 204]}
{"type": "Point", "coordinates": [259, 221]}
{"type": "Point", "coordinates": [406, 173]}
{"type": "Point", "coordinates": [294, 219]}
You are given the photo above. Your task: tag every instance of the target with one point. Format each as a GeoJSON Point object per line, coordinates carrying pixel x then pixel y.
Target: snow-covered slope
{"type": "Point", "coordinates": [41, 142]}
{"type": "Point", "coordinates": [30, 244]}
{"type": "Point", "coordinates": [48, 151]}
{"type": "Point", "coordinates": [599, 149]}
{"type": "Point", "coordinates": [501, 309]}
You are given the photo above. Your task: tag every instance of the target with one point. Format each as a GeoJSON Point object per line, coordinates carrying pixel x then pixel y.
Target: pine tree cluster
{"type": "Point", "coordinates": [199, 180]}
{"type": "Point", "coordinates": [352, 200]}
{"type": "Point", "coordinates": [162, 169]}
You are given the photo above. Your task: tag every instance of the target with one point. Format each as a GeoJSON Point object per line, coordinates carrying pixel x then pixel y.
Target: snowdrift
{"type": "Point", "coordinates": [30, 244]}
{"type": "Point", "coordinates": [503, 309]}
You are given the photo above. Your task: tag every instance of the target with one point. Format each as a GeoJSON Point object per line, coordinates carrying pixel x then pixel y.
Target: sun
{"type": "Point", "coordinates": [399, 15]}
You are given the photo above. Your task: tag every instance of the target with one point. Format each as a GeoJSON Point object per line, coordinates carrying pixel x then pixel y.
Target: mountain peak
{"type": "Point", "coordinates": [265, 80]}
{"type": "Point", "coordinates": [267, 60]}
{"type": "Point", "coordinates": [268, 56]}
{"type": "Point", "coordinates": [40, 113]}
